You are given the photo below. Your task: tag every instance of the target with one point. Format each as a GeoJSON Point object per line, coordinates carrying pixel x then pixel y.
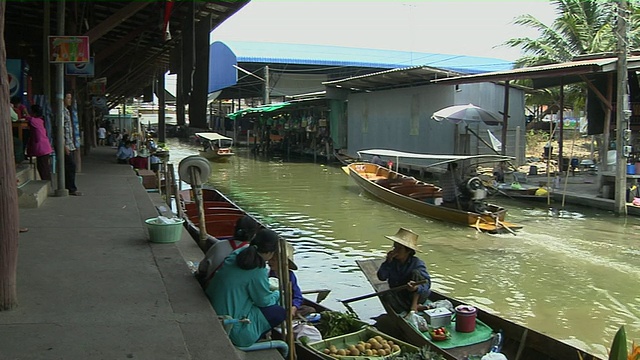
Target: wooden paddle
{"type": "Point", "coordinates": [322, 293]}
{"type": "Point", "coordinates": [397, 288]}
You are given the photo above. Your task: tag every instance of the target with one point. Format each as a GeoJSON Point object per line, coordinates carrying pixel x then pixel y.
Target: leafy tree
{"type": "Point", "coordinates": [581, 27]}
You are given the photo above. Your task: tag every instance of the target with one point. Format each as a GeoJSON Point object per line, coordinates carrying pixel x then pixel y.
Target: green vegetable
{"type": "Point", "coordinates": [425, 353]}
{"type": "Point", "coordinates": [334, 323]}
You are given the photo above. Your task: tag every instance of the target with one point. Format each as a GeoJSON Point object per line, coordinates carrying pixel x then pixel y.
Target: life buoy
{"type": "Point", "coordinates": [199, 163]}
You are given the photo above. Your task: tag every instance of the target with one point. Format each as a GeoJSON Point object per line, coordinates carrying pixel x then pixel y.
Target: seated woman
{"type": "Point", "coordinates": [213, 260]}
{"type": "Point", "coordinates": [240, 289]}
{"type": "Point", "coordinates": [402, 267]}
{"type": "Point", "coordinates": [125, 153]}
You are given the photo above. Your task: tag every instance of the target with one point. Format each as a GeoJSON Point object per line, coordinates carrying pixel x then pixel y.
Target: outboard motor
{"type": "Point", "coordinates": [473, 192]}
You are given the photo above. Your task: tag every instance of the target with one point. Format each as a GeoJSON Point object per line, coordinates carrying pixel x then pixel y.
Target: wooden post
{"type": "Point", "coordinates": [197, 187]}
{"type": "Point", "coordinates": [623, 114]}
{"type": "Point", "coordinates": [167, 185]}
{"type": "Point", "coordinates": [505, 118]}
{"type": "Point", "coordinates": [9, 199]}
{"type": "Point", "coordinates": [286, 293]}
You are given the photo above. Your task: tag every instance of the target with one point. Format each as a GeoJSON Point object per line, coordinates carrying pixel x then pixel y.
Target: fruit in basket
{"type": "Point", "coordinates": [439, 334]}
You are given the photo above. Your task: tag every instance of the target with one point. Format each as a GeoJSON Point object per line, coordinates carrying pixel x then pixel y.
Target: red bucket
{"type": "Point", "coordinates": [465, 318]}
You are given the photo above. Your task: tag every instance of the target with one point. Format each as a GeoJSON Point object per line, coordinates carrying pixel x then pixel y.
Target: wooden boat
{"type": "Point", "coordinates": [423, 198]}
{"type": "Point", "coordinates": [345, 159]}
{"type": "Point", "coordinates": [221, 215]}
{"type": "Point", "coordinates": [518, 342]}
{"type": "Point", "coordinates": [523, 192]}
{"type": "Point", "coordinates": [215, 146]}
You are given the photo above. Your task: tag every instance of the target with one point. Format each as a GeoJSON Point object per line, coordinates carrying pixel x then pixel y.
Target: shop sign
{"type": "Point", "coordinates": [68, 49]}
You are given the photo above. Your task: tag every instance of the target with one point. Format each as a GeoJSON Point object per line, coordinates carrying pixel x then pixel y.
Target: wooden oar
{"type": "Point", "coordinates": [397, 288]}
{"type": "Point", "coordinates": [500, 223]}
{"type": "Point", "coordinates": [322, 293]}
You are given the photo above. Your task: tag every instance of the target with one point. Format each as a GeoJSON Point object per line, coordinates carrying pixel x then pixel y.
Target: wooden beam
{"type": "Point", "coordinates": [122, 42]}
{"type": "Point", "coordinates": [602, 98]}
{"type": "Point", "coordinates": [116, 19]}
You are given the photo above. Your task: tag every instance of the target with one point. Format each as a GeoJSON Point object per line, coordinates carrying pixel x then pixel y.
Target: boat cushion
{"type": "Point", "coordinates": [482, 333]}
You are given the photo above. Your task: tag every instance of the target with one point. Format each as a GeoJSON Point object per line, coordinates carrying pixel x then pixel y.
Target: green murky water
{"type": "Point", "coordinates": [573, 277]}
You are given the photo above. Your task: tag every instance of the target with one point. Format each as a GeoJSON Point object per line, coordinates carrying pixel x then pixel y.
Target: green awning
{"type": "Point", "coordinates": [259, 109]}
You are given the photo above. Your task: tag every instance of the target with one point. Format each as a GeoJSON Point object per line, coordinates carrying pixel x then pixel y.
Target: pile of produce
{"type": "Point", "coordinates": [375, 346]}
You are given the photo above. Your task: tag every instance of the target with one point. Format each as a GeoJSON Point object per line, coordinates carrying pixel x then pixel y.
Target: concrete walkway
{"type": "Point", "coordinates": [91, 285]}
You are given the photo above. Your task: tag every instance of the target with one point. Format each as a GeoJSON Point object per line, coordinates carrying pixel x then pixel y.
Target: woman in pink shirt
{"type": "Point", "coordinates": [39, 145]}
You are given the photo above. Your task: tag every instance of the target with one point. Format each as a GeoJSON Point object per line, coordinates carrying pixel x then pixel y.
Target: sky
{"type": "Point", "coordinates": [458, 27]}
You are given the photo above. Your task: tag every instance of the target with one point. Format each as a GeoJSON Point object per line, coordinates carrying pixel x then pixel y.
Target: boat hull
{"type": "Point", "coordinates": [220, 155]}
{"type": "Point", "coordinates": [421, 198]}
{"type": "Point", "coordinates": [517, 339]}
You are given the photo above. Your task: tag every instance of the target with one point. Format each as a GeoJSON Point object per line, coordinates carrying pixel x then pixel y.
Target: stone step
{"type": "Point", "coordinates": [33, 193]}
{"type": "Point", "coordinates": [24, 173]}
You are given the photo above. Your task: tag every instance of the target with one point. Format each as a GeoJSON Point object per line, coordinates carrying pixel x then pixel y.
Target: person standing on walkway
{"type": "Point", "coordinates": [240, 289]}
{"type": "Point", "coordinates": [102, 135]}
{"type": "Point", "coordinates": [39, 145]}
{"type": "Point", "coordinates": [69, 149]}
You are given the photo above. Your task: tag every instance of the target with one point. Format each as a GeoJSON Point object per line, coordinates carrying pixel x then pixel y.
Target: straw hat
{"type": "Point", "coordinates": [405, 237]}
{"type": "Point", "coordinates": [292, 265]}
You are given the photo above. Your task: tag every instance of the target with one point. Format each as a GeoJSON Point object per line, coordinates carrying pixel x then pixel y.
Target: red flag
{"type": "Point", "coordinates": [168, 7]}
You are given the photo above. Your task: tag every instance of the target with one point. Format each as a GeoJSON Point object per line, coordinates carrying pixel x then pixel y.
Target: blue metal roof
{"type": "Point", "coordinates": [276, 53]}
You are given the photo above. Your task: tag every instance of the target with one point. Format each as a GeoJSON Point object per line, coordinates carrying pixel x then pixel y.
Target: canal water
{"type": "Point", "coordinates": [574, 277]}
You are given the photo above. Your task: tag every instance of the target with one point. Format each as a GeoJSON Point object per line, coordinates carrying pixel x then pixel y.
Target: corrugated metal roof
{"type": "Point", "coordinates": [548, 75]}
{"type": "Point", "coordinates": [394, 78]}
{"type": "Point", "coordinates": [277, 53]}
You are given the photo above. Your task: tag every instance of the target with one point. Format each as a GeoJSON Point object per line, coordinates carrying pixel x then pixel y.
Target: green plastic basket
{"type": "Point", "coordinates": [164, 233]}
{"type": "Point", "coordinates": [351, 339]}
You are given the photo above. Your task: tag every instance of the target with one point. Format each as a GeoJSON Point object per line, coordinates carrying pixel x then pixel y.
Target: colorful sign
{"type": "Point", "coordinates": [68, 49]}
{"type": "Point", "coordinates": [14, 71]}
{"type": "Point", "coordinates": [80, 69]}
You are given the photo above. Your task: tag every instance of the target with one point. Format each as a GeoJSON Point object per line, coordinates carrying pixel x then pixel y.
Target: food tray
{"type": "Point", "coordinates": [343, 342]}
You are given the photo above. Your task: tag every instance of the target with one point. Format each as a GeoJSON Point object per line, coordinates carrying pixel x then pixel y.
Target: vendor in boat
{"type": "Point", "coordinates": [378, 161]}
{"type": "Point", "coordinates": [296, 294]}
{"type": "Point", "coordinates": [402, 267]}
{"type": "Point", "coordinates": [240, 289]}
{"type": "Point", "coordinates": [498, 172]}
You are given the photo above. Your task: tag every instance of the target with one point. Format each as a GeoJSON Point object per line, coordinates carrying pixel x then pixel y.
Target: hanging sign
{"type": "Point", "coordinates": [80, 69]}
{"type": "Point", "coordinates": [68, 49]}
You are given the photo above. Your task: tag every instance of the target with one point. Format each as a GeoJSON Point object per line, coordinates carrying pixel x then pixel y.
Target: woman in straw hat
{"type": "Point", "coordinates": [402, 267]}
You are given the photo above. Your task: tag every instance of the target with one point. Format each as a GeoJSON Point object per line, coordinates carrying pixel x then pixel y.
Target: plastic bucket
{"type": "Point", "coordinates": [164, 233]}
{"type": "Point", "coordinates": [631, 169]}
{"type": "Point", "coordinates": [465, 318]}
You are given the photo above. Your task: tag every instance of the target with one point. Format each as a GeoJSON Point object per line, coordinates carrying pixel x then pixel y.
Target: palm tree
{"type": "Point", "coordinates": [582, 27]}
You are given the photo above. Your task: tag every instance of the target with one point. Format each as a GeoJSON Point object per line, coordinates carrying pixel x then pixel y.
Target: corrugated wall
{"type": "Point", "coordinates": [400, 119]}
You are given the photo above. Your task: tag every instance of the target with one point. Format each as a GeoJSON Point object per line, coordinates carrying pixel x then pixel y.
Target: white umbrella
{"type": "Point", "coordinates": [467, 113]}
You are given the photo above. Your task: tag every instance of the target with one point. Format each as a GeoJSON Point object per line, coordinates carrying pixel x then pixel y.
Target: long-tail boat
{"type": "Point", "coordinates": [514, 340]}
{"type": "Point", "coordinates": [425, 199]}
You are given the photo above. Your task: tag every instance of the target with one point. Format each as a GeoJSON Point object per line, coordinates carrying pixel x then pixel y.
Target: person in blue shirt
{"type": "Point", "coordinates": [240, 289]}
{"type": "Point", "coordinates": [125, 153]}
{"type": "Point", "coordinates": [296, 296]}
{"type": "Point", "coordinates": [402, 267]}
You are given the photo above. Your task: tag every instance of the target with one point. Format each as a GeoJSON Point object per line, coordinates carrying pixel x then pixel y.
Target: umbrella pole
{"type": "Point", "coordinates": [489, 146]}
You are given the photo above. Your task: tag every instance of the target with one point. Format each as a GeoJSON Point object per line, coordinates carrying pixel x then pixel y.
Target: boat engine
{"type": "Point", "coordinates": [472, 195]}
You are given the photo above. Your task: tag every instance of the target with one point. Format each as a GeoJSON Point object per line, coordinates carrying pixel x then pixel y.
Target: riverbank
{"type": "Point", "coordinates": [91, 286]}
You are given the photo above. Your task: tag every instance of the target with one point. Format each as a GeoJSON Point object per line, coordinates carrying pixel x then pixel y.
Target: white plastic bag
{"type": "Point", "coordinates": [310, 331]}
{"type": "Point", "coordinates": [494, 356]}
{"type": "Point", "coordinates": [417, 321]}
{"type": "Point", "coordinates": [274, 283]}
